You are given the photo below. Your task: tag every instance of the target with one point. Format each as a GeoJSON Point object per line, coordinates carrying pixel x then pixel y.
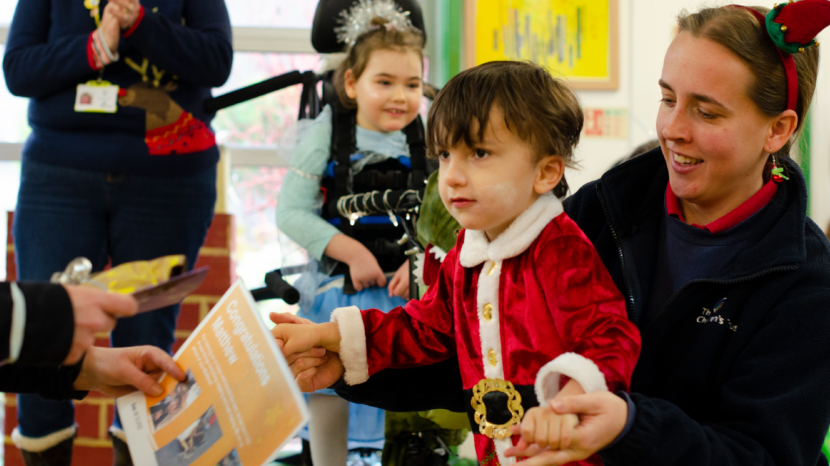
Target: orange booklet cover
{"type": "Point", "coordinates": [238, 406]}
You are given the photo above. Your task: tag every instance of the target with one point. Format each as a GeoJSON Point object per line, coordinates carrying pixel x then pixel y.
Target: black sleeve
{"type": "Point", "coordinates": [50, 324]}
{"type": "Point", "coordinates": [436, 386]}
{"type": "Point", "coordinates": [54, 383]}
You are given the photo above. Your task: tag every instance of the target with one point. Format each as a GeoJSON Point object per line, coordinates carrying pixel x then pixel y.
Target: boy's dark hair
{"type": "Point", "coordinates": [538, 108]}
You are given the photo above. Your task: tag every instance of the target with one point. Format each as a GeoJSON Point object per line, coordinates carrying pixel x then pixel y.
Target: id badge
{"type": "Point", "coordinates": [96, 97]}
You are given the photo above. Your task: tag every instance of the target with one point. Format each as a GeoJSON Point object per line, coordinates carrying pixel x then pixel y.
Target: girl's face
{"type": "Point", "coordinates": [487, 186]}
{"type": "Point", "coordinates": [388, 93]}
{"type": "Point", "coordinates": [714, 138]}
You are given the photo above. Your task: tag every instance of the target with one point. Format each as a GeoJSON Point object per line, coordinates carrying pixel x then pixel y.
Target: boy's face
{"type": "Point", "coordinates": [487, 186]}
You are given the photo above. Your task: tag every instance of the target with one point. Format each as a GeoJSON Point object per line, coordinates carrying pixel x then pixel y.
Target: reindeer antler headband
{"type": "Point", "coordinates": [793, 26]}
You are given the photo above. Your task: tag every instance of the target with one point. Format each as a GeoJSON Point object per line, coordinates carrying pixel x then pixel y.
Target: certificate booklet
{"type": "Point", "coordinates": [238, 406]}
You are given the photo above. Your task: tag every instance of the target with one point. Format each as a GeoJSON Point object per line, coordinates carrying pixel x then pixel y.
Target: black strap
{"type": "Point", "coordinates": [309, 99]}
{"type": "Point", "coordinates": [417, 153]}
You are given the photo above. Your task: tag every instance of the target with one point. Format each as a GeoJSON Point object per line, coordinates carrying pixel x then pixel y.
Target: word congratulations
{"type": "Point", "coordinates": [224, 339]}
{"type": "Point", "coordinates": [257, 358]}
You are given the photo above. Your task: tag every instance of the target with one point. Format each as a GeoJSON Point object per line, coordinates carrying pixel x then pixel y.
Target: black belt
{"type": "Point", "coordinates": [498, 404]}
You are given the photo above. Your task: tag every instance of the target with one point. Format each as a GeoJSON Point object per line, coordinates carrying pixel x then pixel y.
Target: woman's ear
{"type": "Point", "coordinates": [350, 83]}
{"type": "Point", "coordinates": [781, 130]}
{"type": "Point", "coordinates": [549, 171]}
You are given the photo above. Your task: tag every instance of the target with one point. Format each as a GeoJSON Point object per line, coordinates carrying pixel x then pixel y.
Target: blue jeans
{"type": "Point", "coordinates": [63, 213]}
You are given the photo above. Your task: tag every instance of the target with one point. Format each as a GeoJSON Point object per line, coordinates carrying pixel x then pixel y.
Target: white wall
{"type": "Point", "coordinates": [646, 28]}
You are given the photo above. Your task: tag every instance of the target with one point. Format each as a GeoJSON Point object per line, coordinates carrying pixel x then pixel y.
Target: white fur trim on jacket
{"type": "Point", "coordinates": [352, 344]}
{"type": "Point", "coordinates": [39, 444]}
{"type": "Point", "coordinates": [515, 239]}
{"type": "Point", "coordinates": [439, 253]}
{"type": "Point", "coordinates": [420, 260]}
{"type": "Point", "coordinates": [572, 365]}
{"type": "Point", "coordinates": [418, 272]}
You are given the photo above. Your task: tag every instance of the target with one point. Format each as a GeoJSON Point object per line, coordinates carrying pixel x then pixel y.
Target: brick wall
{"type": "Point", "coordinates": [94, 413]}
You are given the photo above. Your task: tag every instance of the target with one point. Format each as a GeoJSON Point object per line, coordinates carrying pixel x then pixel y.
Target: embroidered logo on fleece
{"type": "Point", "coordinates": [710, 316]}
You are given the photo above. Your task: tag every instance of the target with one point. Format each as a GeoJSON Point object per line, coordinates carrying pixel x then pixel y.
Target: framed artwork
{"type": "Point", "coordinates": [575, 39]}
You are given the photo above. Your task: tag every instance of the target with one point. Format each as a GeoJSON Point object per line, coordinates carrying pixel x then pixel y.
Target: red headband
{"type": "Point", "coordinates": [786, 59]}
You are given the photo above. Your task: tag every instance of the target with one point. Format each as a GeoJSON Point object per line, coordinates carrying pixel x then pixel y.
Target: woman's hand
{"type": "Point", "coordinates": [399, 285]}
{"type": "Point", "coordinates": [126, 11]}
{"type": "Point", "coordinates": [110, 29]}
{"type": "Point", "coordinates": [602, 417]}
{"type": "Point", "coordinates": [94, 311]}
{"type": "Point", "coordinates": [119, 371]}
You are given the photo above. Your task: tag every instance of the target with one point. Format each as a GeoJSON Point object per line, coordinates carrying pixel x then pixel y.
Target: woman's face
{"type": "Point", "coordinates": [714, 138]}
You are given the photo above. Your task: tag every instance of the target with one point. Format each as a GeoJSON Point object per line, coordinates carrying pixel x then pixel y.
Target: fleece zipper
{"type": "Point", "coordinates": [629, 292]}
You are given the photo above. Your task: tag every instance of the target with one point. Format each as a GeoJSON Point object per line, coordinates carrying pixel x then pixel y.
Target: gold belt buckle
{"type": "Point", "coordinates": [514, 404]}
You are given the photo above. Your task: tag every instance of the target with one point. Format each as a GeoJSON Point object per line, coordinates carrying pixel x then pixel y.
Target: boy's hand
{"type": "Point", "coordinates": [399, 285]}
{"type": "Point", "coordinates": [287, 318]}
{"type": "Point", "coordinates": [299, 338]}
{"type": "Point", "coordinates": [547, 429]}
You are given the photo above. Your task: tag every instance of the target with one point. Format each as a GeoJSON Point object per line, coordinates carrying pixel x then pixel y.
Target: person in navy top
{"type": "Point", "coordinates": [121, 161]}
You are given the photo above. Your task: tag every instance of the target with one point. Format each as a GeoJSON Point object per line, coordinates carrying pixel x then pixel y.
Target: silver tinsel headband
{"type": "Point", "coordinates": [357, 20]}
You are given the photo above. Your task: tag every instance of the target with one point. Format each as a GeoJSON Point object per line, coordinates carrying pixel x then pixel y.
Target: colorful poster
{"type": "Point", "coordinates": [605, 123]}
{"type": "Point", "coordinates": [574, 39]}
{"type": "Point", "coordinates": [238, 405]}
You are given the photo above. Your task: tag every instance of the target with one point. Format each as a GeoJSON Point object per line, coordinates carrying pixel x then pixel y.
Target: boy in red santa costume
{"type": "Point", "coordinates": [523, 299]}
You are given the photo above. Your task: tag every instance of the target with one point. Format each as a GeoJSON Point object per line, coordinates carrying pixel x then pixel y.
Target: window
{"type": "Point", "coordinates": [272, 13]}
{"type": "Point", "coordinates": [260, 122]}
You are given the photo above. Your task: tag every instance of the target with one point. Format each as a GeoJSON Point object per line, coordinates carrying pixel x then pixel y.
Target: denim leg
{"type": "Point", "coordinates": [60, 215]}
{"type": "Point", "coordinates": [153, 217]}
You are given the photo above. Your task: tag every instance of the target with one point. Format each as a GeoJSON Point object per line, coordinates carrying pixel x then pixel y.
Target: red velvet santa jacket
{"type": "Point", "coordinates": [533, 304]}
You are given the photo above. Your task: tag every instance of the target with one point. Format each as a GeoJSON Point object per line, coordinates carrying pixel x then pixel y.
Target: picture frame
{"type": "Point", "coordinates": [577, 40]}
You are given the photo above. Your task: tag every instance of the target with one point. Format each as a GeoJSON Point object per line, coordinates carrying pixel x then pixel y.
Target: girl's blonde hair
{"type": "Point", "coordinates": [381, 38]}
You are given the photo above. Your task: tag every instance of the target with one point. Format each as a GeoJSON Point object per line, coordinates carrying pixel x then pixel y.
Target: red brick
{"type": "Point", "coordinates": [11, 267]}
{"type": "Point", "coordinates": [219, 234]}
{"type": "Point", "coordinates": [9, 223]}
{"type": "Point", "coordinates": [10, 421]}
{"type": "Point", "coordinates": [110, 414]}
{"type": "Point", "coordinates": [91, 456]}
{"type": "Point", "coordinates": [12, 456]}
{"type": "Point", "coordinates": [178, 344]}
{"type": "Point", "coordinates": [87, 418]}
{"type": "Point", "coordinates": [218, 279]}
{"type": "Point", "coordinates": [188, 317]}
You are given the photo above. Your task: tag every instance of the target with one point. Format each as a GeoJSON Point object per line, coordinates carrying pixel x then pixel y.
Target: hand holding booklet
{"type": "Point", "coordinates": [238, 406]}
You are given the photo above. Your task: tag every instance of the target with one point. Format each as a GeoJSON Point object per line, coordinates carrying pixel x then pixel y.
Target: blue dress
{"type": "Point", "coordinates": [297, 216]}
